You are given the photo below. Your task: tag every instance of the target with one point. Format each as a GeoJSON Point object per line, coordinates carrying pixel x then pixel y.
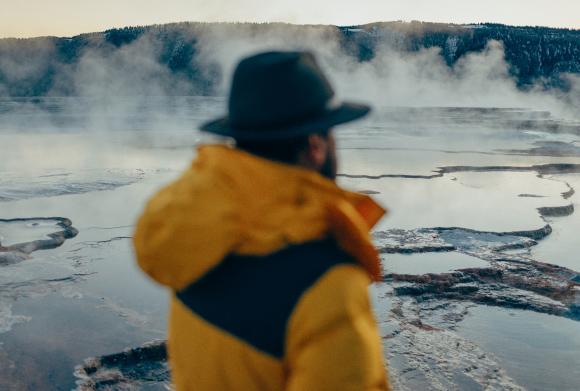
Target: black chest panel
{"type": "Point", "coordinates": [253, 297]}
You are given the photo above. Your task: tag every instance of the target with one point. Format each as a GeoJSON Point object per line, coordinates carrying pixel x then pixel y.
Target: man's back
{"type": "Point", "coordinates": [268, 259]}
{"type": "Point", "coordinates": [268, 319]}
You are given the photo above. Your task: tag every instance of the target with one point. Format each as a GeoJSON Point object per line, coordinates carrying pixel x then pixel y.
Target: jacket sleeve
{"type": "Point", "coordinates": [332, 341]}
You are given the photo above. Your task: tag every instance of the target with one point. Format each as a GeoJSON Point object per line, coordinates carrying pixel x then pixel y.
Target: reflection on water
{"type": "Point", "coordinates": [561, 248]}
{"type": "Point", "coordinates": [539, 351]}
{"type": "Point", "coordinates": [438, 262]}
{"type": "Point", "coordinates": [61, 333]}
{"type": "Point", "coordinates": [483, 201]}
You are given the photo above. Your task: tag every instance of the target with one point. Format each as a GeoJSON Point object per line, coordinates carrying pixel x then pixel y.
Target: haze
{"type": "Point", "coordinates": [67, 18]}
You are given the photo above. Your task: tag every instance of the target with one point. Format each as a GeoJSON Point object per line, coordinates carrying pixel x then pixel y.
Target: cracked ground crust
{"type": "Point", "coordinates": [511, 280]}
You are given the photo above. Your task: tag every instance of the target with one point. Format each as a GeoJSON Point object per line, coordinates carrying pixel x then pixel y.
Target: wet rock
{"type": "Point", "coordinates": [574, 311]}
{"type": "Point", "coordinates": [424, 354]}
{"type": "Point", "coordinates": [470, 240]}
{"type": "Point", "coordinates": [132, 369]}
{"type": "Point", "coordinates": [491, 286]}
{"type": "Point", "coordinates": [512, 280]}
{"type": "Point", "coordinates": [535, 234]}
{"type": "Point", "coordinates": [408, 242]}
{"type": "Point", "coordinates": [552, 211]}
{"type": "Point", "coordinates": [542, 169]}
{"type": "Point", "coordinates": [413, 289]}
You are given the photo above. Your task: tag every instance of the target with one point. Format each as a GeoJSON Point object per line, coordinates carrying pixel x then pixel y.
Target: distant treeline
{"type": "Point", "coordinates": [533, 53]}
{"type": "Point", "coordinates": [61, 66]}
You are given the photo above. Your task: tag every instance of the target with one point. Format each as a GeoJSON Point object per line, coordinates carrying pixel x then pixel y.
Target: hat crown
{"type": "Point", "coordinates": [280, 96]}
{"type": "Point", "coordinates": [276, 90]}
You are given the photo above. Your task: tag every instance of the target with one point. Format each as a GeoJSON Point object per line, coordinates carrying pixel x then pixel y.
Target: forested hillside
{"type": "Point", "coordinates": [532, 52]}
{"type": "Point", "coordinates": [178, 57]}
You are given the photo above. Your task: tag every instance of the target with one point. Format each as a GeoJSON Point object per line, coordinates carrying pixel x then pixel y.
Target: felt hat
{"type": "Point", "coordinates": [281, 95]}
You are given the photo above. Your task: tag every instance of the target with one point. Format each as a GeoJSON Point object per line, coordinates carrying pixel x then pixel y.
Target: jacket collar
{"type": "Point", "coordinates": [232, 202]}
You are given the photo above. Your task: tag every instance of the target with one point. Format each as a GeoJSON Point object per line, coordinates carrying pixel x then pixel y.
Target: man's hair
{"type": "Point", "coordinates": [285, 151]}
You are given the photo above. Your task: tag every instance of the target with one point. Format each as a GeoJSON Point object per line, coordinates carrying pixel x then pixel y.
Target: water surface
{"type": "Point", "coordinates": [97, 163]}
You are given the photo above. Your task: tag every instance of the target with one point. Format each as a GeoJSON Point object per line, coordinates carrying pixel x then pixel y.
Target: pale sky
{"type": "Point", "coordinates": [67, 18]}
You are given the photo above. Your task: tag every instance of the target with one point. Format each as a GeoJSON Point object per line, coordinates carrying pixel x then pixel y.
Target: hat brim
{"type": "Point", "coordinates": [346, 112]}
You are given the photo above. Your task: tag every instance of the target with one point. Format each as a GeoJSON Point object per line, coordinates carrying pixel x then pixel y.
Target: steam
{"type": "Point", "coordinates": [26, 66]}
{"type": "Point", "coordinates": [391, 78]}
{"type": "Point", "coordinates": [423, 79]}
{"type": "Point", "coordinates": [106, 73]}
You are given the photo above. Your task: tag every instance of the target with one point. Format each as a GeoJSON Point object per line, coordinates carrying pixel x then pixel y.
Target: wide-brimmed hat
{"type": "Point", "coordinates": [281, 95]}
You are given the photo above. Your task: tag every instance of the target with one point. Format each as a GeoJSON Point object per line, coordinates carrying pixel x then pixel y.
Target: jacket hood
{"type": "Point", "coordinates": [232, 202]}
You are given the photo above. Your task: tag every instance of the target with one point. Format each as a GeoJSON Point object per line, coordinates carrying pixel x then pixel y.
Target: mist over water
{"type": "Point", "coordinates": [392, 77]}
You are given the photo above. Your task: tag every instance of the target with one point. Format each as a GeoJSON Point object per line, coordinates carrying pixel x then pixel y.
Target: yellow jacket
{"type": "Point", "coordinates": [269, 264]}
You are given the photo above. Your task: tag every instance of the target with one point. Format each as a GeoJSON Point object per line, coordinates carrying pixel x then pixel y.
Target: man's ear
{"type": "Point", "coordinates": [316, 152]}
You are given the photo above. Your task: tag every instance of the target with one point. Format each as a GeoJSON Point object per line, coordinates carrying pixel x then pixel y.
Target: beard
{"type": "Point", "coordinates": [329, 168]}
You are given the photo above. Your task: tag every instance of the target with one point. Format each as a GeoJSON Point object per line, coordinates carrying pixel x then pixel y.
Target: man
{"type": "Point", "coordinates": [268, 259]}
